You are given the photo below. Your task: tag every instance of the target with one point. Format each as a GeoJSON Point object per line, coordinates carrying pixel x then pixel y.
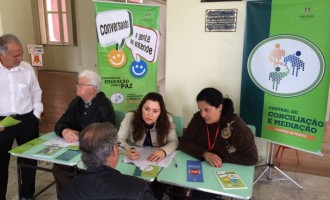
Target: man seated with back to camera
{"type": "Point", "coordinates": [91, 105]}
{"type": "Point", "coordinates": [100, 155]}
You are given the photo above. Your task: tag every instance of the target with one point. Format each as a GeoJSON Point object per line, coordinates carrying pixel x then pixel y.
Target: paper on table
{"type": "Point", "coordinates": [142, 161]}
{"type": "Point", "coordinates": [9, 121]}
{"type": "Point", "coordinates": [27, 146]}
{"type": "Point", "coordinates": [58, 141]}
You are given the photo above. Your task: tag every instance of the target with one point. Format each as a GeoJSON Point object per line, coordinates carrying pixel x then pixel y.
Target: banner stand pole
{"type": "Point", "coordinates": [271, 166]}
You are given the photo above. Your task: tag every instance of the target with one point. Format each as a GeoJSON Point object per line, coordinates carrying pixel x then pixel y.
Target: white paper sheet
{"type": "Point", "coordinates": [142, 161]}
{"type": "Point", "coordinates": [58, 141]}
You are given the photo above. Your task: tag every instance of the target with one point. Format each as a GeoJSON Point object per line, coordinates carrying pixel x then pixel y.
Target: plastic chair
{"type": "Point", "coordinates": [120, 115]}
{"type": "Point", "coordinates": [253, 129]}
{"type": "Point", "coordinates": [178, 121]}
{"type": "Point", "coordinates": [281, 147]}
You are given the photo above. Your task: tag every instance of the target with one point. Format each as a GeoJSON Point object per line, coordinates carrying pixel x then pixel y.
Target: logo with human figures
{"type": "Point", "coordinates": [286, 65]}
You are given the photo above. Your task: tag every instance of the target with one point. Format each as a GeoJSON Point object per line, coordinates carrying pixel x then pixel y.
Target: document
{"type": "Point", "coordinates": [194, 171]}
{"type": "Point", "coordinates": [49, 151]}
{"type": "Point", "coordinates": [27, 146]}
{"type": "Point", "coordinates": [149, 171]}
{"type": "Point", "coordinates": [230, 180]}
{"type": "Point", "coordinates": [142, 161]}
{"type": "Point", "coordinates": [68, 155]}
{"type": "Point", "coordinates": [58, 141]}
{"type": "Point", "coordinates": [9, 121]}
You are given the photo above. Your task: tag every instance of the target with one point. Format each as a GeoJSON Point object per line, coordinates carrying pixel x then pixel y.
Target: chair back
{"type": "Point", "coordinates": [178, 121]}
{"type": "Point", "coordinates": [253, 129]}
{"type": "Point", "coordinates": [120, 115]}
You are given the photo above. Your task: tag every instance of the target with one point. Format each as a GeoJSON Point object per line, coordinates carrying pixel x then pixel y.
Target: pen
{"type": "Point", "coordinates": [176, 164]}
{"type": "Point", "coordinates": [122, 147]}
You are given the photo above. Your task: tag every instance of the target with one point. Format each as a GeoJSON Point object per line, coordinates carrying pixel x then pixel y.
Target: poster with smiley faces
{"type": "Point", "coordinates": [127, 49]}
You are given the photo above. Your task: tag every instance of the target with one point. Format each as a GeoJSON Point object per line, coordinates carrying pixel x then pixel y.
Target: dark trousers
{"type": "Point", "coordinates": [158, 189]}
{"type": "Point", "coordinates": [26, 130]}
{"type": "Point", "coordinates": [63, 175]}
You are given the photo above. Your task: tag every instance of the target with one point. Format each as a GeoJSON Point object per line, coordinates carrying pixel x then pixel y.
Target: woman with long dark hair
{"type": "Point", "coordinates": [149, 125]}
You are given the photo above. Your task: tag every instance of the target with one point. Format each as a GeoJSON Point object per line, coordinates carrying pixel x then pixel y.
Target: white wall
{"type": "Point", "coordinates": [16, 18]}
{"type": "Point", "coordinates": [196, 59]}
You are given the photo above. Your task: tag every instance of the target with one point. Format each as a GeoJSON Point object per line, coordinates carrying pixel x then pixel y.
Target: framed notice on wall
{"type": "Point", "coordinates": [220, 20]}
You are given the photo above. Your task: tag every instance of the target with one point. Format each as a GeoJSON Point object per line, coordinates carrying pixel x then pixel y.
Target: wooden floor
{"type": "Point", "coordinates": [59, 89]}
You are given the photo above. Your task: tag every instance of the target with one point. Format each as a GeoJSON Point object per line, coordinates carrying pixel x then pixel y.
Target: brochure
{"type": "Point", "coordinates": [148, 171]}
{"type": "Point", "coordinates": [9, 121]}
{"type": "Point", "coordinates": [230, 180]}
{"type": "Point", "coordinates": [49, 151]}
{"type": "Point", "coordinates": [194, 171]}
{"type": "Point", "coordinates": [27, 146]}
{"type": "Point", "coordinates": [68, 155]}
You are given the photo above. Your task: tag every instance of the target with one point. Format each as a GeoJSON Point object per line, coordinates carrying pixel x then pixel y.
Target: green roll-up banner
{"type": "Point", "coordinates": [285, 79]}
{"type": "Point", "coordinates": [128, 41]}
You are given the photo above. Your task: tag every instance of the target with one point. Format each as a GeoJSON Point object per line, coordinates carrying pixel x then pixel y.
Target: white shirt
{"type": "Point", "coordinates": [125, 135]}
{"type": "Point", "coordinates": [20, 92]}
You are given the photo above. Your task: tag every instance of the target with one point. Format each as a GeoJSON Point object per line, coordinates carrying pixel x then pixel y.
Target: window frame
{"type": "Point", "coordinates": [43, 23]}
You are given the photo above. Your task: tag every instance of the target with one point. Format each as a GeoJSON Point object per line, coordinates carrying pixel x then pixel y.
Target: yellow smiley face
{"type": "Point", "coordinates": [116, 58]}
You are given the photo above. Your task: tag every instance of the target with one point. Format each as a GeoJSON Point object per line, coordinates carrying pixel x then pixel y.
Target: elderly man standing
{"type": "Point", "coordinates": [91, 105]}
{"type": "Point", "coordinates": [100, 155]}
{"type": "Point", "coordinates": [20, 98]}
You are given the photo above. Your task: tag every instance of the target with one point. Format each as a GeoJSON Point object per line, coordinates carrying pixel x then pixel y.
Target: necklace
{"type": "Point", "coordinates": [208, 137]}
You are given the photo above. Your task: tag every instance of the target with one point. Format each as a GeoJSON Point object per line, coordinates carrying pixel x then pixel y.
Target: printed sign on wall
{"type": "Point", "coordinates": [128, 41]}
{"type": "Point", "coordinates": [285, 82]}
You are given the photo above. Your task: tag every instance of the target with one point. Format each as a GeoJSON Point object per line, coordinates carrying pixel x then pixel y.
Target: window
{"type": "Point", "coordinates": [56, 19]}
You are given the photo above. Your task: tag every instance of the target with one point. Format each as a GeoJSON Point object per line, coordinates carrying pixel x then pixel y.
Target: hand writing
{"type": "Point", "coordinates": [132, 154]}
{"type": "Point", "coordinates": [213, 159]}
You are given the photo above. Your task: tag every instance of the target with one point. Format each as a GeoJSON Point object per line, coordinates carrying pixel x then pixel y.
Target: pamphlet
{"type": "Point", "coordinates": [9, 121]}
{"type": "Point", "coordinates": [68, 155]}
{"type": "Point", "coordinates": [194, 171]}
{"type": "Point", "coordinates": [49, 151]}
{"type": "Point", "coordinates": [230, 180]}
{"type": "Point", "coordinates": [27, 146]}
{"type": "Point", "coordinates": [147, 171]}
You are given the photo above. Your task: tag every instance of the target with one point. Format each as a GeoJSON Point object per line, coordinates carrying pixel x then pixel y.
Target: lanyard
{"type": "Point", "coordinates": [208, 137]}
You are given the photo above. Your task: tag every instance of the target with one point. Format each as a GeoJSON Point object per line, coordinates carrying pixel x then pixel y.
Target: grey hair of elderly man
{"type": "Point", "coordinates": [98, 145]}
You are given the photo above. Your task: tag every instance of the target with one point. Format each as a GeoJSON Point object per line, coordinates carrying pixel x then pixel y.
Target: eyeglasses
{"type": "Point", "coordinates": [82, 84]}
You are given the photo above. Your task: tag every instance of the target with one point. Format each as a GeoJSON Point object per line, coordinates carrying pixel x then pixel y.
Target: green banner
{"type": "Point", "coordinates": [128, 41]}
{"type": "Point", "coordinates": [285, 82]}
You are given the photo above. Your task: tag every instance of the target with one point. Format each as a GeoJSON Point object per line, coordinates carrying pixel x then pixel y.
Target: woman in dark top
{"type": "Point", "coordinates": [216, 134]}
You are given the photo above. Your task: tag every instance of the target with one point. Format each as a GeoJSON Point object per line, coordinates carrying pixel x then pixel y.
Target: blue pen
{"type": "Point", "coordinates": [176, 164]}
{"type": "Point", "coordinates": [122, 147]}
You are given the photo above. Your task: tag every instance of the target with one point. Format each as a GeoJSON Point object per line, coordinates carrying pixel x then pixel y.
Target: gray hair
{"type": "Point", "coordinates": [96, 143]}
{"type": "Point", "coordinates": [5, 39]}
{"type": "Point", "coordinates": [93, 77]}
